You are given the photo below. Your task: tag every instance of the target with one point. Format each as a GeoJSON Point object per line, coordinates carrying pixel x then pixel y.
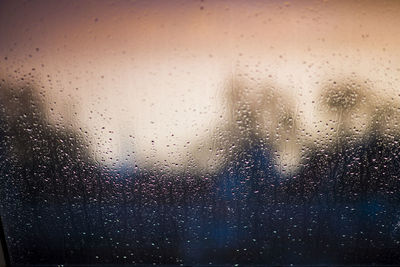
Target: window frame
{"type": "Point", "coordinates": [4, 256]}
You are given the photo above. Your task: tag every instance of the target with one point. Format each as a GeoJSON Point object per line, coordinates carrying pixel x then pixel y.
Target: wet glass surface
{"type": "Point", "coordinates": [200, 133]}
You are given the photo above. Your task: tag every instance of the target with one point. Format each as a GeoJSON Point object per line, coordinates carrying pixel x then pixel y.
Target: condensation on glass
{"type": "Point", "coordinates": [200, 132]}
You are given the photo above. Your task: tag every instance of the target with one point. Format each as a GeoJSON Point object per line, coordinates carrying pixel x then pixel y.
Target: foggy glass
{"type": "Point", "coordinates": [199, 132]}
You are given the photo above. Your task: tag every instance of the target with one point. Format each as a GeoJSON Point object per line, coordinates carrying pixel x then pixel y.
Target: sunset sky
{"type": "Point", "coordinates": [149, 77]}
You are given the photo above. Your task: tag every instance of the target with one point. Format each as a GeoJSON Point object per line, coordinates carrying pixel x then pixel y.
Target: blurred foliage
{"type": "Point", "coordinates": [340, 207]}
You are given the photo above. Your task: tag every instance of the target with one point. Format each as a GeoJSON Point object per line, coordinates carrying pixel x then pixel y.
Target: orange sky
{"type": "Point", "coordinates": [156, 70]}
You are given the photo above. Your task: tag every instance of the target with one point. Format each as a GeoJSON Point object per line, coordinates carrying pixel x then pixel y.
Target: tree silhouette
{"type": "Point", "coordinates": [340, 206]}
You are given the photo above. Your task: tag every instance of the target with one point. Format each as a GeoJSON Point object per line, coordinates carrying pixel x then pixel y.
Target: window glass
{"type": "Point", "coordinates": [200, 132]}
